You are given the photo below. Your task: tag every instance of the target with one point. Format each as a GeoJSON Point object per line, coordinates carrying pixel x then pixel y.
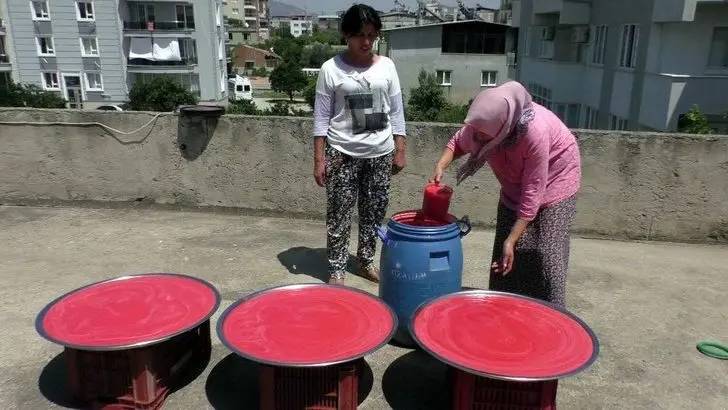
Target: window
{"type": "Point", "coordinates": [249, 65]}
{"type": "Point", "coordinates": [471, 38]}
{"type": "Point", "coordinates": [85, 11]}
{"type": "Point", "coordinates": [50, 81]}
{"type": "Point", "coordinates": [719, 48]}
{"type": "Point", "coordinates": [45, 46]}
{"type": "Point", "coordinates": [218, 16]}
{"type": "Point", "coordinates": [488, 78]}
{"type": "Point", "coordinates": [599, 48]}
{"type": "Point", "coordinates": [220, 49]}
{"type": "Point", "coordinates": [89, 47]}
{"type": "Point", "coordinates": [222, 80]}
{"type": "Point", "coordinates": [141, 12]}
{"type": "Point", "coordinates": [630, 38]}
{"type": "Point", "coordinates": [94, 82]}
{"type": "Point", "coordinates": [590, 117]}
{"type": "Point", "coordinates": [236, 11]}
{"type": "Point", "coordinates": [547, 49]}
{"type": "Point", "coordinates": [185, 16]}
{"type": "Point", "coordinates": [617, 123]}
{"type": "Point", "coordinates": [39, 10]}
{"type": "Point", "coordinates": [443, 77]}
{"type": "Point", "coordinates": [541, 95]}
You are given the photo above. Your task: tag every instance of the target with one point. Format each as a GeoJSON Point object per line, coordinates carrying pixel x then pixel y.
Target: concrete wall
{"type": "Point", "coordinates": [645, 186]}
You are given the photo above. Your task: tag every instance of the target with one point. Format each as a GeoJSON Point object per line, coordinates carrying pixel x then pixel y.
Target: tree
{"type": "Point", "coordinates": [29, 95]}
{"type": "Point", "coordinates": [694, 122]}
{"type": "Point", "coordinates": [309, 93]}
{"type": "Point", "coordinates": [331, 37]}
{"type": "Point", "coordinates": [160, 94]}
{"type": "Point", "coordinates": [246, 107]}
{"type": "Point", "coordinates": [316, 54]}
{"type": "Point", "coordinates": [288, 78]}
{"type": "Point", "coordinates": [427, 99]}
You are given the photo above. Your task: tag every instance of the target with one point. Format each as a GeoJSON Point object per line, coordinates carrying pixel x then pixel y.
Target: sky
{"type": "Point", "coordinates": [328, 6]}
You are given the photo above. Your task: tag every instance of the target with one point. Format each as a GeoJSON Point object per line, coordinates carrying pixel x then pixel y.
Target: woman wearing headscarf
{"type": "Point", "coordinates": [536, 159]}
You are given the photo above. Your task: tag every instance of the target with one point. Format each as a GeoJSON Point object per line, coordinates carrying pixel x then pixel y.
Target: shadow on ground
{"type": "Point", "coordinates": [233, 384]}
{"type": "Point", "coordinates": [310, 261]}
{"type": "Point", "coordinates": [416, 381]}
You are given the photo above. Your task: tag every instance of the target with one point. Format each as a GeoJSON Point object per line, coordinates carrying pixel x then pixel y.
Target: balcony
{"type": "Point", "coordinates": [159, 25]}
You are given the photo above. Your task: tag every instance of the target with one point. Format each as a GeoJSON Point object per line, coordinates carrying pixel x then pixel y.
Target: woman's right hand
{"type": "Point", "coordinates": [319, 172]}
{"type": "Point", "coordinates": [436, 177]}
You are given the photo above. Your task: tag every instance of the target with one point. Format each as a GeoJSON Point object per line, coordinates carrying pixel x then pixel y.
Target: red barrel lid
{"type": "Point", "coordinates": [418, 218]}
{"type": "Point", "coordinates": [307, 325]}
{"type": "Point", "coordinates": [127, 312]}
{"type": "Point", "coordinates": [504, 336]}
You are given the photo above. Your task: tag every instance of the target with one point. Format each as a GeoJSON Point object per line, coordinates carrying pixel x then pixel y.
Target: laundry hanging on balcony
{"type": "Point", "coordinates": [157, 49]}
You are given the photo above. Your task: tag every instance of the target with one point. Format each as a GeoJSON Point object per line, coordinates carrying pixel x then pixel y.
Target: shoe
{"type": "Point", "coordinates": [370, 273]}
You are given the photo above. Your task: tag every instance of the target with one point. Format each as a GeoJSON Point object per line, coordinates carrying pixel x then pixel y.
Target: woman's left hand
{"type": "Point", "coordinates": [400, 158]}
{"type": "Point", "coordinates": [505, 265]}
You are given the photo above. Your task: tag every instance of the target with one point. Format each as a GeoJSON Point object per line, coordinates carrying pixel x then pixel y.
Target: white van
{"type": "Point", "coordinates": [240, 88]}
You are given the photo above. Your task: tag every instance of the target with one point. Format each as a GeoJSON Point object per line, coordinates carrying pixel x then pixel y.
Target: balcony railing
{"type": "Point", "coordinates": [186, 61]}
{"type": "Point", "coordinates": [4, 59]}
{"type": "Point", "coordinates": [160, 25]}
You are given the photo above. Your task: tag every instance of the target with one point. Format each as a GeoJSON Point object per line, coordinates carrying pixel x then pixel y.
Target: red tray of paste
{"type": "Point", "coordinates": [128, 312]}
{"type": "Point", "coordinates": [504, 336]}
{"type": "Point", "coordinates": [307, 325]}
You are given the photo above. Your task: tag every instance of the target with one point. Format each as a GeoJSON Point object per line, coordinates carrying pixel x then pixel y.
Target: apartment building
{"type": "Point", "coordinates": [625, 64]}
{"type": "Point", "coordinates": [92, 52]}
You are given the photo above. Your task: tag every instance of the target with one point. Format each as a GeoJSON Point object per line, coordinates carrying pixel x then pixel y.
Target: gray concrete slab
{"type": "Point", "coordinates": [649, 303]}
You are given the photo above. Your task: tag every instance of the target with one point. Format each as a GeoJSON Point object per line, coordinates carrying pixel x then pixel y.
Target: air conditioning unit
{"type": "Point", "coordinates": [580, 34]}
{"type": "Point", "coordinates": [548, 33]}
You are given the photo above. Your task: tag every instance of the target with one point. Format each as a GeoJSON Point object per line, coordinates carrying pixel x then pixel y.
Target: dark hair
{"type": "Point", "coordinates": [357, 17]}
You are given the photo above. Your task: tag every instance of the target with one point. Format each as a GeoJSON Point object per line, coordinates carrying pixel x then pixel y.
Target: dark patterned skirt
{"type": "Point", "coordinates": [541, 257]}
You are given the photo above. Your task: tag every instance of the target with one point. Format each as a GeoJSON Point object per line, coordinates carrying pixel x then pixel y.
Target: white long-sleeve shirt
{"type": "Point", "coordinates": [359, 109]}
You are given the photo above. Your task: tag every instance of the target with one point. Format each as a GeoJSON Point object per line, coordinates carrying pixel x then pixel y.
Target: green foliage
{"type": "Point", "coordinates": [331, 37]}
{"type": "Point", "coordinates": [694, 122]}
{"type": "Point", "coordinates": [288, 78]}
{"type": "Point", "coordinates": [159, 94]}
{"type": "Point", "coordinates": [309, 93]}
{"type": "Point", "coordinates": [29, 95]}
{"type": "Point", "coordinates": [427, 99]}
{"type": "Point", "coordinates": [453, 114]}
{"type": "Point", "coordinates": [315, 54]}
{"type": "Point", "coordinates": [259, 72]}
{"type": "Point", "coordinates": [242, 107]}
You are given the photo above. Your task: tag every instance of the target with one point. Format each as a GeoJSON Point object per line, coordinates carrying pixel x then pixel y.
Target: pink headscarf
{"type": "Point", "coordinates": [499, 113]}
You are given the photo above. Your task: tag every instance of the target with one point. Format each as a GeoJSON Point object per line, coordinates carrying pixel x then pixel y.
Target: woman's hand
{"type": "Point", "coordinates": [436, 177]}
{"type": "Point", "coordinates": [399, 162]}
{"type": "Point", "coordinates": [505, 265]}
{"type": "Point", "coordinates": [319, 172]}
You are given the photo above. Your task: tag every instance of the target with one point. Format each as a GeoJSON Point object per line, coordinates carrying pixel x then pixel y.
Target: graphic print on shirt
{"type": "Point", "coordinates": [366, 108]}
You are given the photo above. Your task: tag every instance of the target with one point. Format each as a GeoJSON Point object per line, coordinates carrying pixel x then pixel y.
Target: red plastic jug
{"type": "Point", "coordinates": [436, 201]}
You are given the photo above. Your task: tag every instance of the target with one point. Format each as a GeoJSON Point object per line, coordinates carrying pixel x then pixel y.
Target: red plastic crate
{"type": "Point", "coordinates": [319, 388]}
{"type": "Point", "coordinates": [481, 393]}
{"type": "Point", "coordinates": [138, 378]}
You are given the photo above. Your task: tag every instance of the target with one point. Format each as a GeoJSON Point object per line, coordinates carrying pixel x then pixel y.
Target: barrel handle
{"type": "Point", "coordinates": [465, 226]}
{"type": "Point", "coordinates": [382, 233]}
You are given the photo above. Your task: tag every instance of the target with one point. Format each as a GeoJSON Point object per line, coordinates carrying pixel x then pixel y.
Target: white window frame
{"type": "Point", "coordinates": [629, 45]}
{"type": "Point", "coordinates": [723, 65]}
{"type": "Point", "coordinates": [486, 74]}
{"type": "Point", "coordinates": [441, 74]}
{"type": "Point", "coordinates": [83, 48]}
{"type": "Point", "coordinates": [40, 50]}
{"type": "Point", "coordinates": [87, 3]}
{"type": "Point", "coordinates": [599, 47]}
{"type": "Point", "coordinates": [45, 83]}
{"type": "Point", "coordinates": [88, 83]}
{"type": "Point", "coordinates": [46, 17]}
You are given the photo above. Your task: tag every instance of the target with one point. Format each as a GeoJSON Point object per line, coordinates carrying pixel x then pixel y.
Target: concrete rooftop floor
{"type": "Point", "coordinates": [649, 304]}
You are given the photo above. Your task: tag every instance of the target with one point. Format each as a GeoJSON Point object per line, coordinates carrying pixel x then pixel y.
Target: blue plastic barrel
{"type": "Point", "coordinates": [420, 260]}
